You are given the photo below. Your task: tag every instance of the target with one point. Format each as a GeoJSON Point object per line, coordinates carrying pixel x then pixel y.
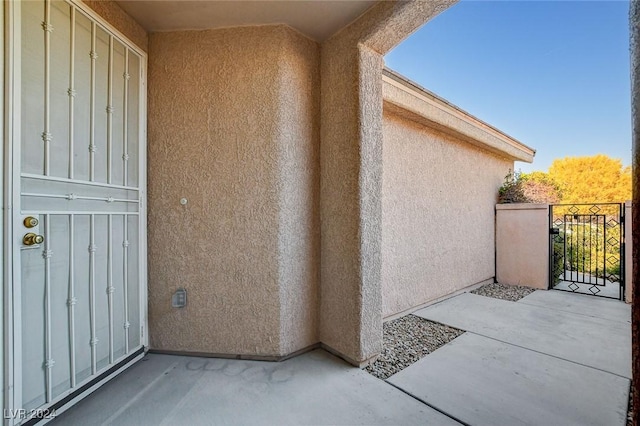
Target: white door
{"type": "Point", "coordinates": [76, 106]}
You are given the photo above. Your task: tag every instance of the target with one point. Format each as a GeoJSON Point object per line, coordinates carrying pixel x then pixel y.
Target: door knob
{"type": "Point", "coordinates": [30, 222]}
{"type": "Point", "coordinates": [31, 239]}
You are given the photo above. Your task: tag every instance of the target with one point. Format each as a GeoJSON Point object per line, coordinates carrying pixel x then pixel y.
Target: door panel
{"type": "Point", "coordinates": [33, 334]}
{"type": "Point", "coordinates": [81, 100]}
{"type": "Point", "coordinates": [59, 244]}
{"type": "Point", "coordinates": [32, 74]}
{"type": "Point", "coordinates": [79, 293]}
{"type": "Point", "coordinates": [132, 125]}
{"type": "Point", "coordinates": [60, 42]}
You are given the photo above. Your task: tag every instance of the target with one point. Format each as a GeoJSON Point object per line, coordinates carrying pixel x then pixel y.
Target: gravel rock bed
{"type": "Point", "coordinates": [406, 340]}
{"type": "Point", "coordinates": [504, 292]}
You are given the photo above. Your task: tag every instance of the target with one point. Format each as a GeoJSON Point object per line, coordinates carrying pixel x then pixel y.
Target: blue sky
{"type": "Point", "coordinates": [552, 74]}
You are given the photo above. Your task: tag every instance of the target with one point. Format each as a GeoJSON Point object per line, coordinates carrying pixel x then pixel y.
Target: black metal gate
{"type": "Point", "coordinates": [586, 249]}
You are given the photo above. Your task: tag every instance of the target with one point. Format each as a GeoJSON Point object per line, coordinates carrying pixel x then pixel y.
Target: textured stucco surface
{"type": "Point", "coordinates": [522, 245]}
{"type": "Point", "coordinates": [111, 12]}
{"type": "Point", "coordinates": [233, 129]}
{"type": "Point", "coordinates": [438, 199]}
{"type": "Point", "coordinates": [351, 174]}
{"type": "Point", "coordinates": [299, 191]}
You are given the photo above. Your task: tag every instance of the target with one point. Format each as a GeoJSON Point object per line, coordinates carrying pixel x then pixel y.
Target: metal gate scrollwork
{"type": "Point", "coordinates": [586, 249]}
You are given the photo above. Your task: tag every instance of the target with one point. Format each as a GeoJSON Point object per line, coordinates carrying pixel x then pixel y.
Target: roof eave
{"type": "Point", "coordinates": [407, 99]}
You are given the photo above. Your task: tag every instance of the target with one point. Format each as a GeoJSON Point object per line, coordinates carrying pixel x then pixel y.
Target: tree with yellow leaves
{"type": "Point", "coordinates": [595, 179]}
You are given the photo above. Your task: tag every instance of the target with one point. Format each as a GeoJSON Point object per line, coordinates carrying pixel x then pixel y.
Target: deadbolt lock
{"type": "Point", "coordinates": [31, 239]}
{"type": "Point", "coordinates": [30, 222]}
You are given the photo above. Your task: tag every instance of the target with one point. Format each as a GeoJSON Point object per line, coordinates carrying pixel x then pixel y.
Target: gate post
{"type": "Point", "coordinates": [522, 245]}
{"type": "Point", "coordinates": [628, 253]}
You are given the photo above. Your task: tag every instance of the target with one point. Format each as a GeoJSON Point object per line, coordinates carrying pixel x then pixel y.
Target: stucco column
{"type": "Point", "coordinates": [634, 24]}
{"type": "Point", "coordinates": [351, 174]}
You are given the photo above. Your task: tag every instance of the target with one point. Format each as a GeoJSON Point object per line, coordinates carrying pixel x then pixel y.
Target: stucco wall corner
{"type": "Point", "coordinates": [298, 185]}
{"type": "Point", "coordinates": [351, 321]}
{"type": "Point", "coordinates": [121, 20]}
{"type": "Point", "coordinates": [390, 22]}
{"type": "Point", "coordinates": [370, 183]}
{"type": "Point", "coordinates": [351, 178]}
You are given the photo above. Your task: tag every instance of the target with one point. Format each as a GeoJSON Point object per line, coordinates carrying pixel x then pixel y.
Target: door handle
{"type": "Point", "coordinates": [32, 239]}
{"type": "Point", "coordinates": [30, 222]}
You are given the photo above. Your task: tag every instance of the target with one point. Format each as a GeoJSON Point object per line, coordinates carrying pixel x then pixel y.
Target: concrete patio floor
{"type": "Point", "coordinates": [552, 358]}
{"type": "Point", "coordinates": [314, 388]}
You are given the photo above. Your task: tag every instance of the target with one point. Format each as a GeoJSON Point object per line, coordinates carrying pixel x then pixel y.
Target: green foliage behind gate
{"type": "Point", "coordinates": [587, 244]}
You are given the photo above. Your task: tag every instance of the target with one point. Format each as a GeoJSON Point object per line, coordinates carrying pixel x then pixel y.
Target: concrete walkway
{"type": "Point", "coordinates": [596, 307]}
{"type": "Point", "coordinates": [592, 341]}
{"type": "Point", "coordinates": [552, 358]}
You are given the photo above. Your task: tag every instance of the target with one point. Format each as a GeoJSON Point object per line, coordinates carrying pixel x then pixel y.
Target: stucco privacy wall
{"type": "Point", "coordinates": [113, 14]}
{"type": "Point", "coordinates": [351, 174]}
{"type": "Point", "coordinates": [522, 245]}
{"type": "Point", "coordinates": [438, 198]}
{"type": "Point", "coordinates": [233, 128]}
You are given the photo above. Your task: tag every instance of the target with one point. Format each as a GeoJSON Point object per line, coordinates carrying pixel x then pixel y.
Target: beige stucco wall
{"type": "Point", "coordinates": [351, 174]}
{"type": "Point", "coordinates": [522, 245]}
{"type": "Point", "coordinates": [299, 191]}
{"type": "Point", "coordinates": [438, 198]}
{"type": "Point", "coordinates": [113, 14]}
{"type": "Point", "coordinates": [252, 283]}
{"type": "Point", "coordinates": [233, 128]}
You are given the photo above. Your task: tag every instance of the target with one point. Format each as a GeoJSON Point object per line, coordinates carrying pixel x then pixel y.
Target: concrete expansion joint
{"type": "Point", "coordinates": [506, 342]}
{"type": "Point", "coordinates": [451, 416]}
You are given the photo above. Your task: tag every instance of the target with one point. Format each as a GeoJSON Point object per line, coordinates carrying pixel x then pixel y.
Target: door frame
{"type": "Point", "coordinates": [10, 193]}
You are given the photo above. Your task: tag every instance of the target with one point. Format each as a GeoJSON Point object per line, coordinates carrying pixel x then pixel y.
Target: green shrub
{"type": "Point", "coordinates": [511, 190]}
{"type": "Point", "coordinates": [558, 261]}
